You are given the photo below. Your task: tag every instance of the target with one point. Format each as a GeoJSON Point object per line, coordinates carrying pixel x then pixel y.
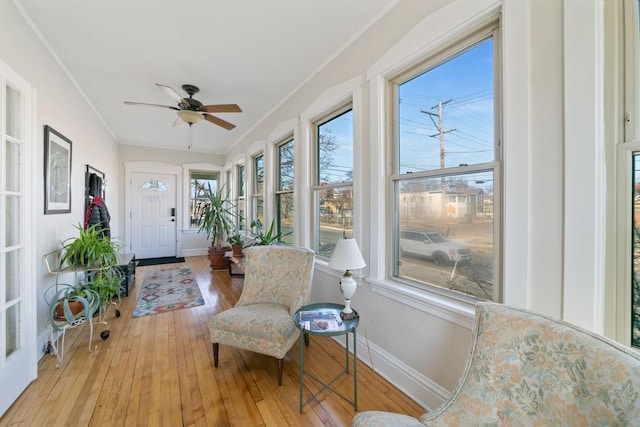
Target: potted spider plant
{"type": "Point", "coordinates": [89, 250]}
{"type": "Point", "coordinates": [215, 219]}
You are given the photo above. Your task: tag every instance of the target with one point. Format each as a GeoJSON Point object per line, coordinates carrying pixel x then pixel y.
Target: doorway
{"type": "Point", "coordinates": [153, 214]}
{"type": "Point", "coordinates": [18, 337]}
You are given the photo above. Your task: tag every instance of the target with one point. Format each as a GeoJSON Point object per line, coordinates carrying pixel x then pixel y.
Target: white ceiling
{"type": "Point", "coordinates": [251, 52]}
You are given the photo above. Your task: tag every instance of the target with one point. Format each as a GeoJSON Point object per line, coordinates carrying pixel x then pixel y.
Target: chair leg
{"type": "Point", "coordinates": [279, 371]}
{"type": "Point", "coordinates": [306, 340]}
{"type": "Point", "coordinates": [215, 354]}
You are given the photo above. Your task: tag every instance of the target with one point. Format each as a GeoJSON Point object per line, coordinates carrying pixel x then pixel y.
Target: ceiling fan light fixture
{"type": "Point", "coordinates": [191, 117]}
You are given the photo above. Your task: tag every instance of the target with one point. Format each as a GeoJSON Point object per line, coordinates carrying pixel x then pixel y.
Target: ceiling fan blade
{"type": "Point", "coordinates": [173, 94]}
{"type": "Point", "coordinates": [222, 108]}
{"type": "Point", "coordinates": [178, 122]}
{"type": "Point", "coordinates": [218, 121]}
{"type": "Point", "coordinates": [146, 104]}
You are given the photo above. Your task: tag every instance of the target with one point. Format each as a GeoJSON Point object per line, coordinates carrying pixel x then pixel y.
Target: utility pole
{"type": "Point", "coordinates": [439, 125]}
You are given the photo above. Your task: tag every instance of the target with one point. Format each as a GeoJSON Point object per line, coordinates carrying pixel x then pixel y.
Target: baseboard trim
{"type": "Point", "coordinates": [194, 252]}
{"type": "Point", "coordinates": [423, 390]}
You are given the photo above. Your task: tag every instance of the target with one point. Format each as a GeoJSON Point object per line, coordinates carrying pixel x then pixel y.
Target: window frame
{"type": "Point", "coordinates": [316, 186]}
{"type": "Point", "coordinates": [240, 178]}
{"type": "Point", "coordinates": [185, 186]}
{"type": "Point", "coordinates": [258, 196]}
{"type": "Point", "coordinates": [627, 141]}
{"type": "Point", "coordinates": [278, 191]}
{"type": "Point", "coordinates": [191, 172]}
{"type": "Point", "coordinates": [451, 51]}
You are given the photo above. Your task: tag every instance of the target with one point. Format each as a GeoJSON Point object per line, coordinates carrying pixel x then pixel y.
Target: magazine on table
{"type": "Point", "coordinates": [325, 320]}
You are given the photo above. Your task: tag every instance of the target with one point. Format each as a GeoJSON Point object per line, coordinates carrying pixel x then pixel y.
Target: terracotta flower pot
{"type": "Point", "coordinates": [75, 307]}
{"type": "Point", "coordinates": [237, 250]}
{"type": "Point", "coordinates": [217, 259]}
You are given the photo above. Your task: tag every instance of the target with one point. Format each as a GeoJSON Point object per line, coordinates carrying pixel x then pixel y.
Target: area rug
{"type": "Point", "coordinates": [156, 261]}
{"type": "Point", "coordinates": [168, 289]}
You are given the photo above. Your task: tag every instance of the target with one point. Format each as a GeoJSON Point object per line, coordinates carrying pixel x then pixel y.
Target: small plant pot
{"type": "Point", "coordinates": [75, 307]}
{"type": "Point", "coordinates": [236, 250]}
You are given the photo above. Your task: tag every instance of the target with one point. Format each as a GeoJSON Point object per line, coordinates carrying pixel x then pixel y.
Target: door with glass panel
{"type": "Point", "coordinates": [18, 358]}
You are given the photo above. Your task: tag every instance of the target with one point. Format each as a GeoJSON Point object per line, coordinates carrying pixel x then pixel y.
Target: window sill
{"type": "Point", "coordinates": [459, 312]}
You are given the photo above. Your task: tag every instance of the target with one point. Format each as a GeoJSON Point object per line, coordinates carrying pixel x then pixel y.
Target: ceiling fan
{"type": "Point", "coordinates": [190, 110]}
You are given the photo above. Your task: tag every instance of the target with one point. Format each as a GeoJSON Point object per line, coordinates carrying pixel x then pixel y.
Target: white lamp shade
{"type": "Point", "coordinates": [346, 256]}
{"type": "Point", "coordinates": [191, 117]}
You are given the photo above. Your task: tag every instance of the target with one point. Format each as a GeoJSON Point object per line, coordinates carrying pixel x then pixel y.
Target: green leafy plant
{"type": "Point", "coordinates": [264, 238]}
{"type": "Point", "coordinates": [215, 215]}
{"type": "Point", "coordinates": [89, 249]}
{"type": "Point", "coordinates": [106, 283]}
{"type": "Point", "coordinates": [236, 239]}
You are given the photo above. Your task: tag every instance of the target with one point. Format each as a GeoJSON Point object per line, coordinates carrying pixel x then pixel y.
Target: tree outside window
{"type": "Point", "coordinates": [284, 192]}
{"type": "Point", "coordinates": [334, 181]}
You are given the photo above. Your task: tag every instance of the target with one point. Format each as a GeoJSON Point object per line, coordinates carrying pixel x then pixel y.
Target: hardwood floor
{"type": "Point", "coordinates": [158, 370]}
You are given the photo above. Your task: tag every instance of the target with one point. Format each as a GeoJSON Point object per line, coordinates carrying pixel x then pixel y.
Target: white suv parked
{"type": "Point", "coordinates": [435, 246]}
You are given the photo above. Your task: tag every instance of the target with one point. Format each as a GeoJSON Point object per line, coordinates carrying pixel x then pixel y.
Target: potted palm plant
{"type": "Point", "coordinates": [215, 219]}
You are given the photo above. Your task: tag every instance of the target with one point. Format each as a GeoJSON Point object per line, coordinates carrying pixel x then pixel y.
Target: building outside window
{"type": "Point", "coordinates": [333, 189]}
{"type": "Point", "coordinates": [258, 188]}
{"type": "Point", "coordinates": [445, 182]}
{"type": "Point", "coordinates": [284, 191]}
{"type": "Point", "coordinates": [200, 183]}
{"type": "Point", "coordinates": [239, 199]}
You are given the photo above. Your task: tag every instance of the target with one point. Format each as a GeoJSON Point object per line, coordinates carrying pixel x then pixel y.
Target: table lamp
{"type": "Point", "coordinates": [346, 256]}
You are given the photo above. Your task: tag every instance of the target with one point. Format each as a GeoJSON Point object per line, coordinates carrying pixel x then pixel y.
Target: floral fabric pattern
{"type": "Point", "coordinates": [527, 369]}
{"type": "Point", "coordinates": [277, 282]}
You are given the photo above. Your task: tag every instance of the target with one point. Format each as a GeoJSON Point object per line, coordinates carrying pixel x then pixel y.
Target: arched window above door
{"type": "Point", "coordinates": [154, 185]}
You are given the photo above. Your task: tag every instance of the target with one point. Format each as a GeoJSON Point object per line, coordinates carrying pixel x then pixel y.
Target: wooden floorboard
{"type": "Point", "coordinates": [158, 370]}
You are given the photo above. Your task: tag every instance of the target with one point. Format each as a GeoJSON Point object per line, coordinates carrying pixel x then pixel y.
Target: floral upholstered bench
{"type": "Point", "coordinates": [528, 369]}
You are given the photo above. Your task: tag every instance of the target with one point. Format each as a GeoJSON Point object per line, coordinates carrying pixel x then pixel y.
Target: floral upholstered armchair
{"type": "Point", "coordinates": [527, 369]}
{"type": "Point", "coordinates": [277, 282]}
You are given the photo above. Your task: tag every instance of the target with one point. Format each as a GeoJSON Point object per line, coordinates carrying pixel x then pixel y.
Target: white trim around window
{"type": "Point", "coordinates": [408, 53]}
{"type": "Point", "coordinates": [330, 100]}
{"type": "Point", "coordinates": [187, 168]}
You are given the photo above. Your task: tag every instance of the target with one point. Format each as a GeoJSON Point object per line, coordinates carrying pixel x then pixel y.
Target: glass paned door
{"type": "Point", "coordinates": [18, 352]}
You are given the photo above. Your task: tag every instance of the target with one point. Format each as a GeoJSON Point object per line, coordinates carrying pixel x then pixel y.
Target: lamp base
{"type": "Point", "coordinates": [347, 316]}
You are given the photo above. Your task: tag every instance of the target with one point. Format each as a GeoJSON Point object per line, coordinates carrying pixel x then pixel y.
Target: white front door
{"type": "Point", "coordinates": [153, 215]}
{"type": "Point", "coordinates": [18, 336]}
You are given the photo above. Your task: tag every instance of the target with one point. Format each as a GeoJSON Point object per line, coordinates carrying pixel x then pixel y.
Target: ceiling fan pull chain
{"type": "Point", "coordinates": [190, 139]}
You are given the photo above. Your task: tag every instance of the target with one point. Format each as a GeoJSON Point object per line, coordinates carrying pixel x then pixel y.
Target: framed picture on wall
{"type": "Point", "coordinates": [57, 172]}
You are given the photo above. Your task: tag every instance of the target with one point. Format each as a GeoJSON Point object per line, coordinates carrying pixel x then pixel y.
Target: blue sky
{"type": "Point", "coordinates": [466, 82]}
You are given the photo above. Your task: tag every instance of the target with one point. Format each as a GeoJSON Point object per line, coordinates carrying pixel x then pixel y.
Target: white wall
{"type": "Point", "coordinates": [61, 106]}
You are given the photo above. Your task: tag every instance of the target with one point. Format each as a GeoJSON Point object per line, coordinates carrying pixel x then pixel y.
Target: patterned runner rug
{"type": "Point", "coordinates": [168, 289]}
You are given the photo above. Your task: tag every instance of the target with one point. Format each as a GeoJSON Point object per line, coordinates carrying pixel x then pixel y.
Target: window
{"type": "Point", "coordinates": [333, 189]}
{"type": "Point", "coordinates": [628, 306]}
{"type": "Point", "coordinates": [239, 202]}
{"type": "Point", "coordinates": [284, 192]}
{"type": "Point", "coordinates": [200, 182]}
{"type": "Point", "coordinates": [258, 188]}
{"type": "Point", "coordinates": [444, 185]}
